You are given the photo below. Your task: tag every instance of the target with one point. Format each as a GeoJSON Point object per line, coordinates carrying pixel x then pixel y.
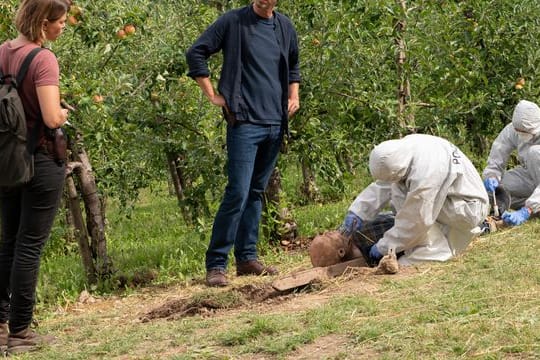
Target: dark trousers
{"type": "Point", "coordinates": [27, 217]}
{"type": "Point", "coordinates": [252, 152]}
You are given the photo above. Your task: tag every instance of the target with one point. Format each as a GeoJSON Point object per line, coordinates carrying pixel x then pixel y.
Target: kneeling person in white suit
{"type": "Point", "coordinates": [523, 181]}
{"type": "Point", "coordinates": [437, 196]}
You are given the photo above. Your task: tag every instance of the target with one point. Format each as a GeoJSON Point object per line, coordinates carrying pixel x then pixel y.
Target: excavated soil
{"type": "Point", "coordinates": [210, 302]}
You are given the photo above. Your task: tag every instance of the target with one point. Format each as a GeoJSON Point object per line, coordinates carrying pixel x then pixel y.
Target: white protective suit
{"type": "Point", "coordinates": [437, 193]}
{"type": "Point", "coordinates": [523, 181]}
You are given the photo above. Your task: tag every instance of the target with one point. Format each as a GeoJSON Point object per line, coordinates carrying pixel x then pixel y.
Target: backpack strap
{"type": "Point", "coordinates": [25, 65]}
{"type": "Point", "coordinates": [34, 135]}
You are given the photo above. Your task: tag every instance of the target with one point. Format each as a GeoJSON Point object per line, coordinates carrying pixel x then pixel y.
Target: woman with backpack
{"type": "Point", "coordinates": [28, 210]}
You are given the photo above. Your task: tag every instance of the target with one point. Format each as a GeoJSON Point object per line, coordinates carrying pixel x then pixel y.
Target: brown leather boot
{"type": "Point", "coordinates": [27, 340]}
{"type": "Point", "coordinates": [254, 267]}
{"type": "Point", "coordinates": [4, 331]}
{"type": "Point", "coordinates": [216, 277]}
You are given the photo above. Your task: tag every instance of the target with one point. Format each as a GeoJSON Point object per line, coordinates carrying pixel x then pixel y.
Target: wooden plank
{"type": "Point", "coordinates": [304, 277]}
{"type": "Point", "coordinates": [339, 269]}
{"type": "Point", "coordinates": [300, 278]}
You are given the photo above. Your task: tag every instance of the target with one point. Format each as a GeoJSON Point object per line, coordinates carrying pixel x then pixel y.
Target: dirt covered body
{"type": "Point", "coordinates": [333, 254]}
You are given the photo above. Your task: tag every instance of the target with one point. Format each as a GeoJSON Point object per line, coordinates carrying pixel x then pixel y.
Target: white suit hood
{"type": "Point", "coordinates": [390, 160]}
{"type": "Point", "coordinates": [526, 117]}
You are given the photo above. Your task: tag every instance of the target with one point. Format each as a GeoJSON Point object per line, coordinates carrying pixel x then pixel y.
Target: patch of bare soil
{"type": "Point", "coordinates": [247, 294]}
{"type": "Point", "coordinates": [211, 301]}
{"type": "Point", "coordinates": [208, 303]}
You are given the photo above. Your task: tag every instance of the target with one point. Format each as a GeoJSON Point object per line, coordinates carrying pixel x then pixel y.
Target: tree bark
{"type": "Point", "coordinates": [274, 187]}
{"type": "Point", "coordinates": [95, 222]}
{"type": "Point", "coordinates": [406, 121]}
{"type": "Point", "coordinates": [179, 184]}
{"type": "Point", "coordinates": [278, 223]}
{"type": "Point", "coordinates": [80, 233]}
{"type": "Point", "coordinates": [270, 220]}
{"type": "Point", "coordinates": [176, 182]}
{"type": "Point", "coordinates": [309, 187]}
{"type": "Point", "coordinates": [94, 252]}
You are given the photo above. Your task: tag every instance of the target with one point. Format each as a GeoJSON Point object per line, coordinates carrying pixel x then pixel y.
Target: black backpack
{"type": "Point", "coordinates": [16, 148]}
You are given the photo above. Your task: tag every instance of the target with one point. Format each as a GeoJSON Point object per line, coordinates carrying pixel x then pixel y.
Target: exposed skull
{"type": "Point", "coordinates": [332, 247]}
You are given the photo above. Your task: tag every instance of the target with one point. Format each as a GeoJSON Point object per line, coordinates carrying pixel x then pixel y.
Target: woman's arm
{"type": "Point", "coordinates": [49, 103]}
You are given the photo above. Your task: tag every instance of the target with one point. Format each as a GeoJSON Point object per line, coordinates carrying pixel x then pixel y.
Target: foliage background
{"type": "Point", "coordinates": [464, 59]}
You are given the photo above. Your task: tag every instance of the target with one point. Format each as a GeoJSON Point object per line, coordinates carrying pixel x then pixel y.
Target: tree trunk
{"type": "Point", "coordinates": [94, 252]}
{"type": "Point", "coordinates": [278, 223]}
{"type": "Point", "coordinates": [309, 187]}
{"type": "Point", "coordinates": [80, 233]}
{"type": "Point", "coordinates": [345, 162]}
{"type": "Point", "coordinates": [95, 222]}
{"type": "Point", "coordinates": [173, 170]}
{"type": "Point", "coordinates": [71, 236]}
{"type": "Point", "coordinates": [405, 118]}
{"type": "Point", "coordinates": [179, 184]}
{"type": "Point", "coordinates": [274, 187]}
{"type": "Point", "coordinates": [270, 220]}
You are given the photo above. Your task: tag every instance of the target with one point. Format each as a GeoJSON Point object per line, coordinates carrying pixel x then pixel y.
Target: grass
{"type": "Point", "coordinates": [153, 237]}
{"type": "Point", "coordinates": [481, 305]}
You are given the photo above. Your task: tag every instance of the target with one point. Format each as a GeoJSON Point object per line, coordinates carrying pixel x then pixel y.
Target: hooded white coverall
{"type": "Point", "coordinates": [436, 192]}
{"type": "Point", "coordinates": [523, 181]}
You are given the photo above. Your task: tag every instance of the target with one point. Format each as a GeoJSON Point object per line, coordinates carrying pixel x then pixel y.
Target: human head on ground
{"type": "Point", "coordinates": [390, 161]}
{"type": "Point", "coordinates": [41, 20]}
{"type": "Point", "coordinates": [526, 120]}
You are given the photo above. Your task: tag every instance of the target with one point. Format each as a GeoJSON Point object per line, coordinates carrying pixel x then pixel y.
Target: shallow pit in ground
{"type": "Point", "coordinates": [211, 301]}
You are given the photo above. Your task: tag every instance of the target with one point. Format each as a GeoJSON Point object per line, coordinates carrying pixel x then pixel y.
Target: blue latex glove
{"type": "Point", "coordinates": [352, 223]}
{"type": "Point", "coordinates": [374, 253]}
{"type": "Point", "coordinates": [491, 184]}
{"type": "Point", "coordinates": [516, 217]}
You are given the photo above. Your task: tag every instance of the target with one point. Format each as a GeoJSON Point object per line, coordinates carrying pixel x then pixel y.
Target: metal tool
{"type": "Point", "coordinates": [495, 207]}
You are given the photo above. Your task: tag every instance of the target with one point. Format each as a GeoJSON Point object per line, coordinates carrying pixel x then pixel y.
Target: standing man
{"type": "Point", "coordinates": [258, 92]}
{"type": "Point", "coordinates": [523, 181]}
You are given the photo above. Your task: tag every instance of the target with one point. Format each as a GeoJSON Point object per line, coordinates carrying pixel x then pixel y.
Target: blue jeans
{"type": "Point", "coordinates": [252, 152]}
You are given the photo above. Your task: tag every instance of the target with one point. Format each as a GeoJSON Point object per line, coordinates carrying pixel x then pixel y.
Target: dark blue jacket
{"type": "Point", "coordinates": [229, 34]}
